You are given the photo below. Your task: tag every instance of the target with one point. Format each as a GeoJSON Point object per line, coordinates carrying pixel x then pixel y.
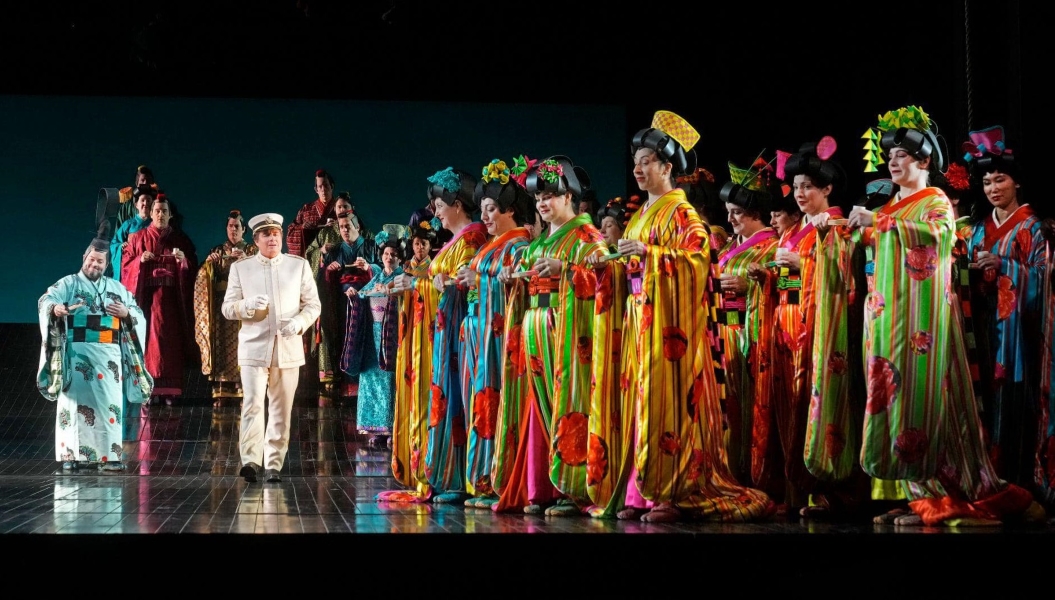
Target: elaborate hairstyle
{"type": "Point", "coordinates": [557, 175]}
{"type": "Point", "coordinates": [615, 209]}
{"type": "Point", "coordinates": [908, 128]}
{"type": "Point", "coordinates": [144, 170]}
{"type": "Point", "coordinates": [452, 184]}
{"type": "Point", "coordinates": [813, 160]}
{"type": "Point", "coordinates": [236, 214]}
{"type": "Point", "coordinates": [672, 139]}
{"type": "Point", "coordinates": [497, 182]}
{"type": "Point", "coordinates": [326, 174]}
{"type": "Point", "coordinates": [150, 190]}
{"type": "Point", "coordinates": [426, 231]}
{"type": "Point", "coordinates": [987, 152]}
{"type": "Point", "coordinates": [750, 189]}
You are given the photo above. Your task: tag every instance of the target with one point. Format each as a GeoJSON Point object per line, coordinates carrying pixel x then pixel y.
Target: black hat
{"type": "Point", "coordinates": [672, 138]}
{"type": "Point", "coordinates": [813, 159]}
{"type": "Point", "coordinates": [101, 243]}
{"type": "Point", "coordinates": [986, 152]}
{"type": "Point", "coordinates": [557, 175]}
{"type": "Point", "coordinates": [749, 188]}
{"type": "Point", "coordinates": [910, 129]}
{"type": "Point", "coordinates": [615, 209]}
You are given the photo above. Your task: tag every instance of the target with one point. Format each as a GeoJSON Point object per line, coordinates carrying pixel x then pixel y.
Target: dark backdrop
{"type": "Point", "coordinates": [237, 106]}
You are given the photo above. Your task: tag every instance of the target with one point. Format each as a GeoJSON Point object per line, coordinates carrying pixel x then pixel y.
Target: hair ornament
{"type": "Point", "coordinates": [958, 177]}
{"type": "Point", "coordinates": [433, 224]}
{"type": "Point", "coordinates": [447, 179]}
{"type": "Point", "coordinates": [496, 170]}
{"type": "Point", "coordinates": [989, 140]}
{"type": "Point", "coordinates": [521, 165]}
{"type": "Point", "coordinates": [550, 171]}
{"type": "Point", "coordinates": [906, 117]}
{"type": "Point", "coordinates": [380, 237]}
{"type": "Point", "coordinates": [697, 175]}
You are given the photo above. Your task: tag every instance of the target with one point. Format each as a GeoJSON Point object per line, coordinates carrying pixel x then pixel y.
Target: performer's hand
{"type": "Point", "coordinates": [861, 217]}
{"type": "Point", "coordinates": [334, 266]}
{"type": "Point", "coordinates": [361, 263]}
{"type": "Point", "coordinates": [351, 292]}
{"type": "Point", "coordinates": [117, 309]}
{"type": "Point", "coordinates": [439, 281]}
{"type": "Point", "coordinates": [258, 302]}
{"type": "Point", "coordinates": [820, 221]}
{"type": "Point", "coordinates": [733, 283]}
{"type": "Point", "coordinates": [237, 252]}
{"type": "Point", "coordinates": [757, 272]}
{"type": "Point", "coordinates": [146, 256]}
{"type": "Point", "coordinates": [60, 310]}
{"type": "Point", "coordinates": [987, 260]}
{"type": "Point", "coordinates": [547, 267]}
{"type": "Point", "coordinates": [290, 329]}
{"type": "Point", "coordinates": [326, 248]}
{"type": "Point", "coordinates": [788, 259]}
{"type": "Point", "coordinates": [467, 277]}
{"type": "Point", "coordinates": [179, 255]}
{"type": "Point", "coordinates": [402, 282]}
{"type": "Point", "coordinates": [631, 247]}
{"type": "Point", "coordinates": [124, 246]}
{"type": "Point", "coordinates": [504, 273]}
{"type": "Point", "coordinates": [214, 257]}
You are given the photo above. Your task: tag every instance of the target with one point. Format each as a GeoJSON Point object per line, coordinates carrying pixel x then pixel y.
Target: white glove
{"type": "Point", "coordinates": [258, 302]}
{"type": "Point", "coordinates": [291, 329]}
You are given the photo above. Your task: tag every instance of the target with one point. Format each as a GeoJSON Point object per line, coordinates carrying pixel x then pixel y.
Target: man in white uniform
{"type": "Point", "coordinates": [274, 296]}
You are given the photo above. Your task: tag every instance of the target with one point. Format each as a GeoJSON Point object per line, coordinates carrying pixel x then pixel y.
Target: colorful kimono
{"type": "Point", "coordinates": [417, 318]}
{"type": "Point", "coordinates": [921, 422]}
{"type": "Point", "coordinates": [337, 350]}
{"type": "Point", "coordinates": [91, 364]}
{"type": "Point", "coordinates": [483, 330]}
{"type": "Point", "coordinates": [327, 235]}
{"type": "Point", "coordinates": [447, 434]}
{"type": "Point", "coordinates": [1044, 471]}
{"type": "Point", "coordinates": [1012, 298]}
{"type": "Point", "coordinates": [127, 227]}
{"type": "Point", "coordinates": [656, 436]}
{"type": "Point", "coordinates": [547, 398]}
{"type": "Point", "coordinates": [163, 288]}
{"type": "Point", "coordinates": [302, 231]}
{"type": "Point", "coordinates": [745, 323]}
{"type": "Point", "coordinates": [216, 336]}
{"type": "Point", "coordinates": [377, 379]}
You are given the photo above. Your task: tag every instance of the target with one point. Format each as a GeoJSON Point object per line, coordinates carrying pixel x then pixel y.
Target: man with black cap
{"type": "Point", "coordinates": [275, 297]}
{"type": "Point", "coordinates": [91, 359]}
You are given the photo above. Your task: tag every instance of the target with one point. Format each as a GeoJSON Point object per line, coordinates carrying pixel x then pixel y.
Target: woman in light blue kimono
{"type": "Point", "coordinates": [505, 206]}
{"type": "Point", "coordinates": [377, 378]}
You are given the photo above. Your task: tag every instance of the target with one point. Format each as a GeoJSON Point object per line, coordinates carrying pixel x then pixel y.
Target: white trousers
{"type": "Point", "coordinates": [267, 448]}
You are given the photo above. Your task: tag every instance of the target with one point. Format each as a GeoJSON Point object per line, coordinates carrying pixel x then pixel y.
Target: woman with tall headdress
{"type": "Point", "coordinates": [417, 316]}
{"type": "Point", "coordinates": [921, 423]}
{"type": "Point", "coordinates": [217, 336]}
{"type": "Point", "coordinates": [744, 310]}
{"type": "Point", "coordinates": [1006, 250]}
{"type": "Point", "coordinates": [656, 444]}
{"type": "Point", "coordinates": [505, 206]}
{"type": "Point", "coordinates": [545, 394]}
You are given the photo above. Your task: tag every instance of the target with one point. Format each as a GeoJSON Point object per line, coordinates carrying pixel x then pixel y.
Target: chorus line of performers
{"type": "Point", "coordinates": [892, 358]}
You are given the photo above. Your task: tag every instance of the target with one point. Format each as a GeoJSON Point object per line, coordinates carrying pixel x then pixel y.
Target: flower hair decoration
{"type": "Point", "coordinates": [381, 237]}
{"type": "Point", "coordinates": [551, 171]}
{"type": "Point", "coordinates": [521, 165]}
{"type": "Point", "coordinates": [433, 224]}
{"type": "Point", "coordinates": [909, 117]}
{"type": "Point", "coordinates": [989, 140]}
{"type": "Point", "coordinates": [496, 170]}
{"type": "Point", "coordinates": [958, 177]}
{"type": "Point", "coordinates": [447, 179]}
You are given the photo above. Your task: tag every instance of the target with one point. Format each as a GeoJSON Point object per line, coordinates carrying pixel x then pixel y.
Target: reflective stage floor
{"type": "Point", "coordinates": [182, 482]}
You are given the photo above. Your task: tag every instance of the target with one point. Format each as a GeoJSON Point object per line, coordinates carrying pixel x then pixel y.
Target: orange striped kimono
{"type": "Point", "coordinates": [417, 315]}
{"type": "Point", "coordinates": [664, 418]}
{"type": "Point", "coordinates": [921, 422]}
{"type": "Point", "coordinates": [745, 323]}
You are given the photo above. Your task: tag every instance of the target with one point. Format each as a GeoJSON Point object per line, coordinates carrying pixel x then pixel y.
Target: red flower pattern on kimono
{"type": "Point", "coordinates": [911, 445]}
{"type": "Point", "coordinates": [837, 363]}
{"type": "Point", "coordinates": [437, 407]}
{"type": "Point", "coordinates": [1023, 243]}
{"type": "Point", "coordinates": [646, 316]}
{"type": "Point", "coordinates": [441, 321]}
{"type": "Point", "coordinates": [397, 468]}
{"type": "Point", "coordinates": [603, 297]}
{"type": "Point", "coordinates": [408, 376]}
{"type": "Point", "coordinates": [419, 311]}
{"type": "Point", "coordinates": [403, 330]}
{"type": "Point", "coordinates": [616, 337]}
{"type": "Point", "coordinates": [883, 383]}
{"type": "Point", "coordinates": [668, 265]}
{"type": "Point", "coordinates": [415, 459]}
{"type": "Point", "coordinates": [695, 393]}
{"type": "Point", "coordinates": [698, 464]}
{"type": "Point", "coordinates": [1005, 297]}
{"type": "Point", "coordinates": [596, 460]}
{"type": "Point", "coordinates": [536, 365]}
{"type": "Point", "coordinates": [498, 324]}
{"type": "Point", "coordinates": [669, 443]}
{"type": "Point", "coordinates": [834, 442]}
{"type": "Point", "coordinates": [876, 304]}
{"type": "Point", "coordinates": [922, 342]}
{"type": "Point", "coordinates": [584, 282]}
{"type": "Point", "coordinates": [883, 222]}
{"type": "Point", "coordinates": [571, 441]}
{"type": "Point", "coordinates": [515, 350]}
{"type": "Point", "coordinates": [675, 342]}
{"type": "Point", "coordinates": [485, 412]}
{"type": "Point", "coordinates": [921, 262]}
{"type": "Point", "coordinates": [585, 349]}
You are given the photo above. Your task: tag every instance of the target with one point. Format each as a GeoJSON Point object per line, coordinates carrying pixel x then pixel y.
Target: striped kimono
{"type": "Point", "coordinates": [1012, 298]}
{"type": "Point", "coordinates": [447, 433]}
{"type": "Point", "coordinates": [483, 333]}
{"type": "Point", "coordinates": [1044, 471]}
{"type": "Point", "coordinates": [795, 317]}
{"type": "Point", "coordinates": [417, 317]}
{"type": "Point", "coordinates": [658, 434]}
{"type": "Point", "coordinates": [921, 422]}
{"type": "Point", "coordinates": [542, 448]}
{"type": "Point", "coordinates": [745, 323]}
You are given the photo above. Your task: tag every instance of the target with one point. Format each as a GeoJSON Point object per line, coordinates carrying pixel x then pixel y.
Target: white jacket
{"type": "Point", "coordinates": [288, 283]}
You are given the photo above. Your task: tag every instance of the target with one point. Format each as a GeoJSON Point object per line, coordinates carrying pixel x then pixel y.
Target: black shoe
{"type": "Point", "coordinates": [249, 472]}
{"type": "Point", "coordinates": [272, 476]}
